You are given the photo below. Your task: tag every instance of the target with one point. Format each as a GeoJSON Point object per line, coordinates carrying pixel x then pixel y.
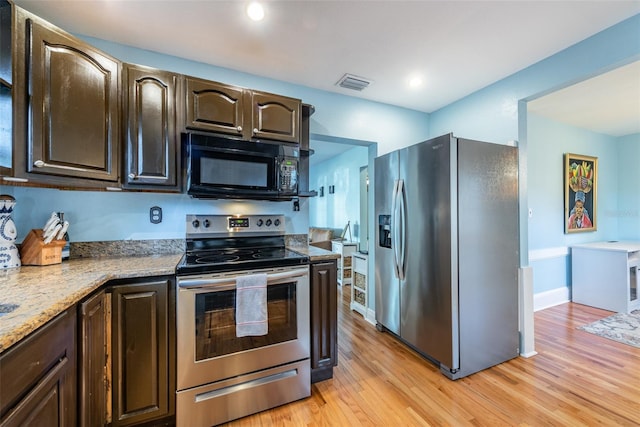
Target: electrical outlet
{"type": "Point", "coordinates": [155, 215]}
{"type": "Point", "coordinates": [296, 205]}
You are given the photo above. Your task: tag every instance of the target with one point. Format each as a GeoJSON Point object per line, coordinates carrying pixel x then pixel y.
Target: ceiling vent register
{"type": "Point", "coordinates": [349, 81]}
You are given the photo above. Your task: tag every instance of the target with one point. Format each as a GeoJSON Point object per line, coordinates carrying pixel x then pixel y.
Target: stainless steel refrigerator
{"type": "Point", "coordinates": [446, 251]}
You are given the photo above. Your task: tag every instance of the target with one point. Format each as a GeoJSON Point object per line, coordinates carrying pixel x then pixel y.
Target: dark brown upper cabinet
{"type": "Point", "coordinates": [151, 150]}
{"type": "Point", "coordinates": [214, 107]}
{"type": "Point", "coordinates": [241, 113]}
{"type": "Point", "coordinates": [6, 104]}
{"type": "Point", "coordinates": [275, 117]}
{"type": "Point", "coordinates": [67, 106]}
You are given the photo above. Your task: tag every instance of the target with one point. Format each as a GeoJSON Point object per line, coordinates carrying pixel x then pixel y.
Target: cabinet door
{"type": "Point", "coordinates": [140, 344]}
{"type": "Point", "coordinates": [275, 117]}
{"type": "Point", "coordinates": [214, 107]}
{"type": "Point", "coordinates": [75, 125]}
{"type": "Point", "coordinates": [151, 154]}
{"type": "Point", "coordinates": [324, 320]}
{"type": "Point", "coordinates": [92, 361]}
{"type": "Point", "coordinates": [37, 377]}
{"type": "Point", "coordinates": [6, 104]}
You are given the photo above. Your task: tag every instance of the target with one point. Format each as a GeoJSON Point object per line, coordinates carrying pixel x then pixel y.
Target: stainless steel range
{"type": "Point", "coordinates": [223, 374]}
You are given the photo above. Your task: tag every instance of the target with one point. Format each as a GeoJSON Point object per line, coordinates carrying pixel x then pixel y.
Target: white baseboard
{"type": "Point", "coordinates": [371, 316]}
{"type": "Point", "coordinates": [551, 298]}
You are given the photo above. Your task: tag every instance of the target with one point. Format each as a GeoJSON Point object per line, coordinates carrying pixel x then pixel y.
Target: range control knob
{"type": "Point", "coordinates": [260, 222]}
{"type": "Point", "coordinates": [206, 223]}
{"type": "Point", "coordinates": [276, 222]}
{"type": "Point", "coordinates": [268, 222]}
{"type": "Point", "coordinates": [195, 223]}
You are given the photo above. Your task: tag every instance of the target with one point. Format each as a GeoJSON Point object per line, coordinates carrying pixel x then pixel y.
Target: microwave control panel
{"type": "Point", "coordinates": [288, 174]}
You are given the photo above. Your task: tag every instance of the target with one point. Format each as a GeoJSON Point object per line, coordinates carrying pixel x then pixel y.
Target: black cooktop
{"type": "Point", "coordinates": [217, 255]}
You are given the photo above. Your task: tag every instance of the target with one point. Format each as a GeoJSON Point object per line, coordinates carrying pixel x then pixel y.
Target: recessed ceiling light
{"type": "Point", "coordinates": [255, 11]}
{"type": "Point", "coordinates": [415, 82]}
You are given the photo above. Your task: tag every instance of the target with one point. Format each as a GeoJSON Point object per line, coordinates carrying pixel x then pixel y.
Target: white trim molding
{"type": "Point", "coordinates": [548, 253]}
{"type": "Point", "coordinates": [371, 316]}
{"type": "Point", "coordinates": [551, 298]}
{"type": "Point", "coordinates": [525, 308]}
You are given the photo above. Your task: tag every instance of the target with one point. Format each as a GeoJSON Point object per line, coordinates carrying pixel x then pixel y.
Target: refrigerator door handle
{"type": "Point", "coordinates": [402, 270]}
{"type": "Point", "coordinates": [395, 237]}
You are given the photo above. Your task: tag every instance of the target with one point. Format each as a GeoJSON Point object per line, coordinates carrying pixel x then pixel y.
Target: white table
{"type": "Point", "coordinates": [605, 275]}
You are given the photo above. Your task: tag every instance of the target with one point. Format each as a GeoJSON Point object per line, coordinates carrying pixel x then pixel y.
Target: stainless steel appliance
{"type": "Point", "coordinates": [220, 376]}
{"type": "Point", "coordinates": [446, 251]}
{"type": "Point", "coordinates": [225, 168]}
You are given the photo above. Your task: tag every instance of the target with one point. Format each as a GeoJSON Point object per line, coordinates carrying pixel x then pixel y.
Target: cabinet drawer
{"type": "Point", "coordinates": [47, 357]}
{"type": "Point", "coordinates": [359, 265]}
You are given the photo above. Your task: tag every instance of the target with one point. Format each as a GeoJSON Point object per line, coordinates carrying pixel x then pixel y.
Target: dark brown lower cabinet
{"type": "Point", "coordinates": [324, 320]}
{"type": "Point", "coordinates": [92, 360]}
{"type": "Point", "coordinates": [143, 385]}
{"type": "Point", "coordinates": [38, 377]}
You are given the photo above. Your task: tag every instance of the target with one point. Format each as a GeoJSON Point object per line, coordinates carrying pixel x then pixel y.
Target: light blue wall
{"type": "Point", "coordinates": [628, 212]}
{"type": "Point", "coordinates": [343, 171]}
{"type": "Point", "coordinates": [98, 216]}
{"type": "Point", "coordinates": [548, 141]}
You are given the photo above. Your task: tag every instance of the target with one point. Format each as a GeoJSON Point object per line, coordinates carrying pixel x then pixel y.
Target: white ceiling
{"type": "Point", "coordinates": [457, 46]}
{"type": "Point", "coordinates": [608, 103]}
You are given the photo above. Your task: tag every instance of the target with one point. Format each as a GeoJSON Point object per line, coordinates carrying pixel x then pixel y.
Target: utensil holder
{"type": "Point", "coordinates": [35, 252]}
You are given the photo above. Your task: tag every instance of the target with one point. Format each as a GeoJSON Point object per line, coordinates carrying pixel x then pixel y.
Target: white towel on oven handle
{"type": "Point", "coordinates": [251, 305]}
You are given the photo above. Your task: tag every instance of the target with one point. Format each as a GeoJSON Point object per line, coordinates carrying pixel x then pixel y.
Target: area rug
{"type": "Point", "coordinates": [621, 327]}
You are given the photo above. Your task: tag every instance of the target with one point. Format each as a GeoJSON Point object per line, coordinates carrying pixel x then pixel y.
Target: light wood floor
{"type": "Point", "coordinates": [576, 379]}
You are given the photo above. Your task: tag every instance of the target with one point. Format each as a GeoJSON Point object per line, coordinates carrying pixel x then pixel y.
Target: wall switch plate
{"type": "Point", "coordinates": [155, 215]}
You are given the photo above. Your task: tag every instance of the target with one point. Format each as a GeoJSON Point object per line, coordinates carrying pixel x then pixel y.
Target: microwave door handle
{"type": "Point", "coordinates": [229, 283]}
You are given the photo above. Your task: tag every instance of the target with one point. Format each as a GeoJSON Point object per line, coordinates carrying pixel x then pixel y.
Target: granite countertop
{"type": "Point", "coordinates": [42, 292]}
{"type": "Point", "coordinates": [314, 253]}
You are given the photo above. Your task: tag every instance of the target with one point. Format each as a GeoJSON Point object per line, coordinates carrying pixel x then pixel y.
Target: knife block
{"type": "Point", "coordinates": [34, 251]}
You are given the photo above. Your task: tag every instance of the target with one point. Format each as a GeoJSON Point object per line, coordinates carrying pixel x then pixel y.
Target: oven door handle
{"type": "Point", "coordinates": [227, 283]}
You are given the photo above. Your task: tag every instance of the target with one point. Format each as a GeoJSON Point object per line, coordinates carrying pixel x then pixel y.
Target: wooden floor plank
{"type": "Point", "coordinates": [576, 379]}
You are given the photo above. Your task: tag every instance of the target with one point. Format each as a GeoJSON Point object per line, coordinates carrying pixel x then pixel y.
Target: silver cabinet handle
{"type": "Point", "coordinates": [132, 176]}
{"type": "Point", "coordinates": [239, 128]}
{"type": "Point", "coordinates": [255, 130]}
{"type": "Point", "coordinates": [41, 164]}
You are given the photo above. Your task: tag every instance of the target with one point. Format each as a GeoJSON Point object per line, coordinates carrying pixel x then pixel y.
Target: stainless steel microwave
{"type": "Point", "coordinates": [223, 168]}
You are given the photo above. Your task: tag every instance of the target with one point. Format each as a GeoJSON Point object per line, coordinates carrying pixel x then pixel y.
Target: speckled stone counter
{"type": "Point", "coordinates": [315, 254]}
{"type": "Point", "coordinates": [41, 293]}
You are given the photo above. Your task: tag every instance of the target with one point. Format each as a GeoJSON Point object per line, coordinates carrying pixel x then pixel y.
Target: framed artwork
{"type": "Point", "coordinates": [580, 193]}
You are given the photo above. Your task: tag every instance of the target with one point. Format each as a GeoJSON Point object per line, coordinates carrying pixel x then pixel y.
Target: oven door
{"type": "Point", "coordinates": [208, 349]}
